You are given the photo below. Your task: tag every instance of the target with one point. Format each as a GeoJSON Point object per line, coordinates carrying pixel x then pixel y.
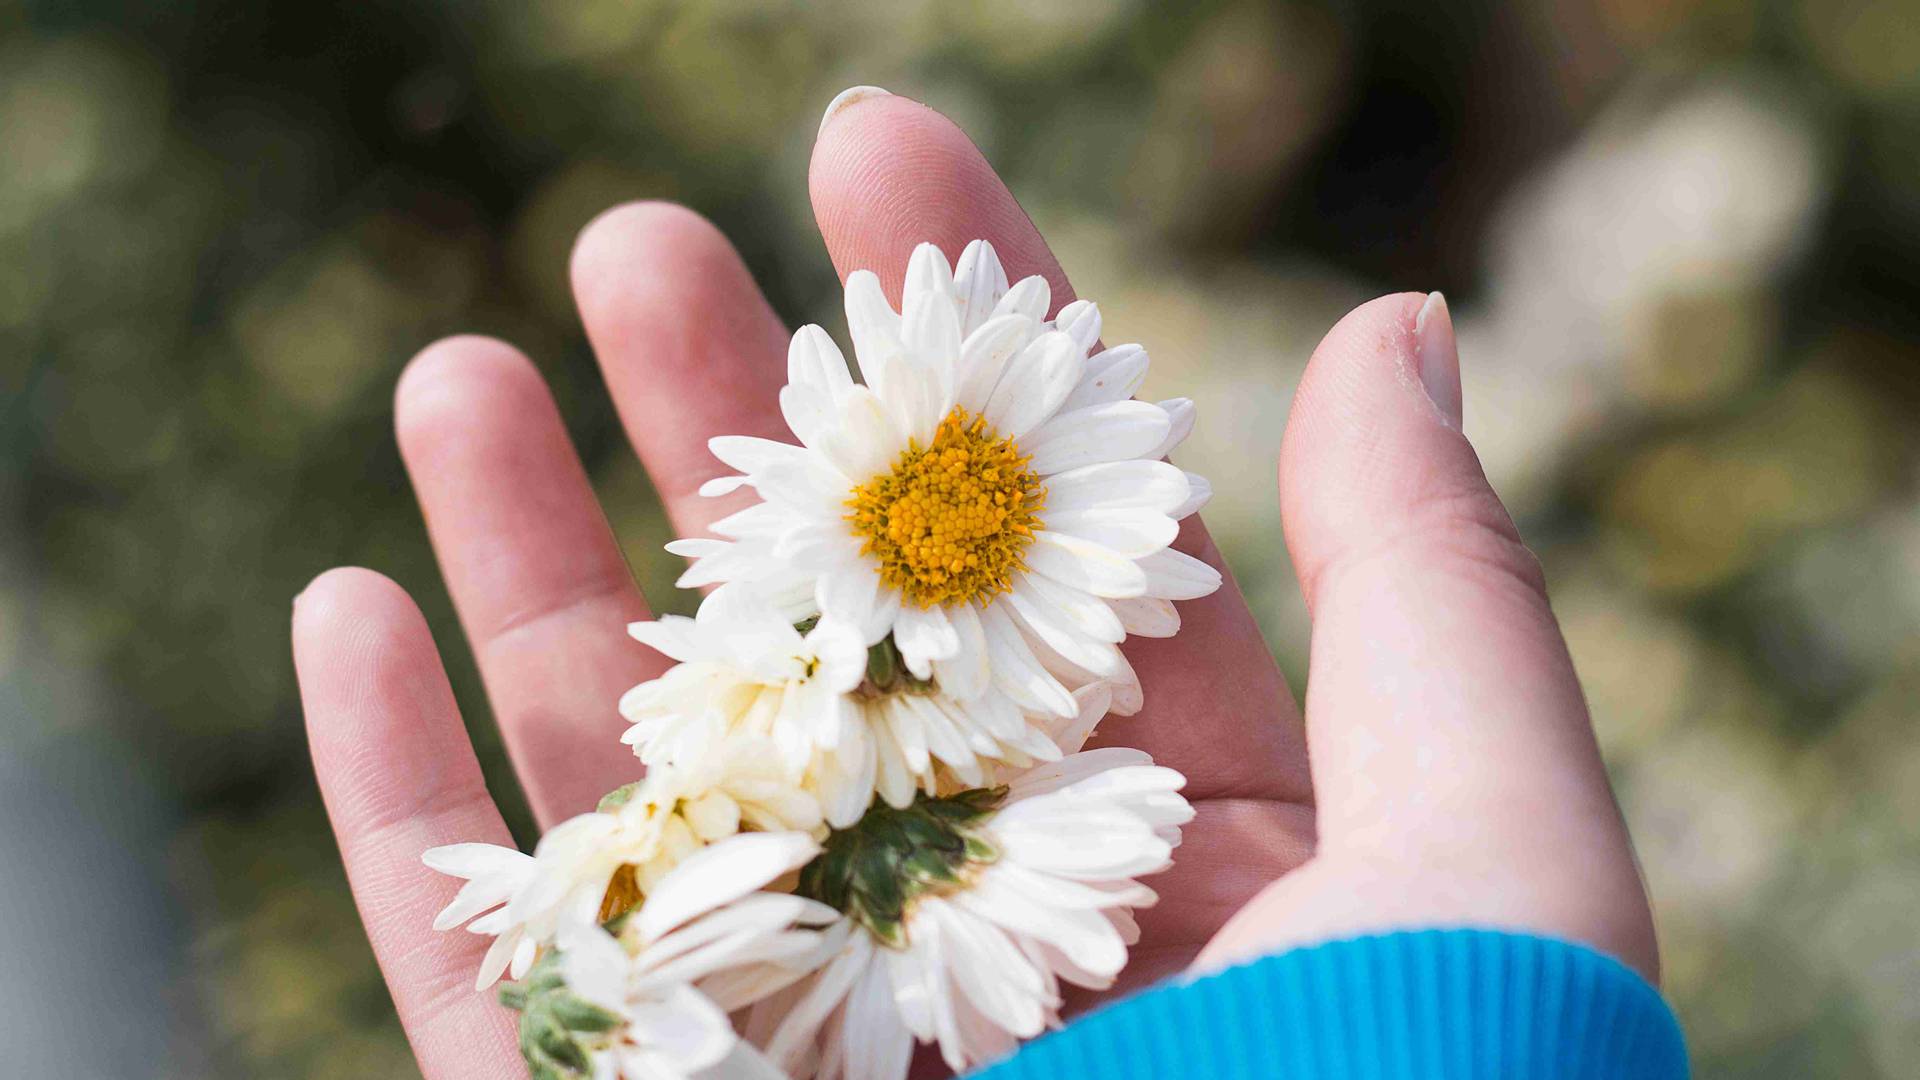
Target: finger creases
{"type": "Point", "coordinates": [888, 174]}
{"type": "Point", "coordinates": [399, 776]}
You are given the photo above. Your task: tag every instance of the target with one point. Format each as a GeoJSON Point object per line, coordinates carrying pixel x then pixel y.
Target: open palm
{"type": "Point", "coordinates": [1452, 757]}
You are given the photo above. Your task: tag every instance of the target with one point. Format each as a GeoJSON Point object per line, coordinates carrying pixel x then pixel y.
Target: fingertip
{"type": "Point", "coordinates": [889, 173]}
{"type": "Point", "coordinates": [346, 593]}
{"type": "Point", "coordinates": [847, 99]}
{"type": "Point", "coordinates": [455, 383]}
{"type": "Point", "coordinates": [361, 645]}
{"type": "Point", "coordinates": [1368, 441]}
{"type": "Point", "coordinates": [623, 243]}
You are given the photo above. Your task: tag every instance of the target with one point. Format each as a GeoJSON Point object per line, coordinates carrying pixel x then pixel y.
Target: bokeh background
{"type": "Point", "coordinates": [1681, 240]}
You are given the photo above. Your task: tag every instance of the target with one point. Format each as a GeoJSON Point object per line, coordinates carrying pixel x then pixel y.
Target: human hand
{"type": "Point", "coordinates": [1457, 778]}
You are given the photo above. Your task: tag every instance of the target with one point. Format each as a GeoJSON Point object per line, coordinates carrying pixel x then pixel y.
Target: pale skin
{"type": "Point", "coordinates": [1444, 772]}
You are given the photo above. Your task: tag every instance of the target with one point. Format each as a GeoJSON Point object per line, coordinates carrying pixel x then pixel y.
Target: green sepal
{"type": "Point", "coordinates": [874, 870]}
{"type": "Point", "coordinates": [578, 1014]}
{"type": "Point", "coordinates": [617, 798]}
{"type": "Point", "coordinates": [557, 1026]}
{"type": "Point", "coordinates": [887, 671]}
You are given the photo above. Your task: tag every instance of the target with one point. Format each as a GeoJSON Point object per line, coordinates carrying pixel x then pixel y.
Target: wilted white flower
{"type": "Point", "coordinates": [633, 1003]}
{"type": "Point", "coordinates": [964, 914]}
{"type": "Point", "coordinates": [846, 720]}
{"type": "Point", "coordinates": [602, 862]}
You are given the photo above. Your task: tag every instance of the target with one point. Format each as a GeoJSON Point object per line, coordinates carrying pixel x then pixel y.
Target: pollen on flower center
{"type": "Point", "coordinates": [950, 522]}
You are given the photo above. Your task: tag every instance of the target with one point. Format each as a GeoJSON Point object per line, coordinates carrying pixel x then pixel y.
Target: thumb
{"type": "Point", "coordinates": [1449, 742]}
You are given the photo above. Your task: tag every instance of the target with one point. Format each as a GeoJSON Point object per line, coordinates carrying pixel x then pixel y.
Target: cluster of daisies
{"type": "Point", "coordinates": [867, 820]}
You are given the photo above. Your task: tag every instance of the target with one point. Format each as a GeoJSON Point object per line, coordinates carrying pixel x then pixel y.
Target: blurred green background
{"type": "Point", "coordinates": [1681, 241]}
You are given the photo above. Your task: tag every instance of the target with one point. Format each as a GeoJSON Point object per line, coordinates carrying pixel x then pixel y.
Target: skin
{"type": "Point", "coordinates": [1444, 772]}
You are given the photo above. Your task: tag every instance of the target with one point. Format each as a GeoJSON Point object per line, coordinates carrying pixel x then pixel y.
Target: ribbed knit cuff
{"type": "Point", "coordinates": [1421, 1003]}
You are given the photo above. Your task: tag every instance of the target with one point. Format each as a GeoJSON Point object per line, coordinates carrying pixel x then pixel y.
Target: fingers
{"type": "Point", "coordinates": [1446, 723]}
{"type": "Point", "coordinates": [539, 582]}
{"type": "Point", "coordinates": [889, 173]}
{"type": "Point", "coordinates": [399, 777]}
{"type": "Point", "coordinates": [689, 347]}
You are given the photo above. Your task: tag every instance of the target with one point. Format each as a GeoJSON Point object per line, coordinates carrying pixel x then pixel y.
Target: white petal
{"type": "Point", "coordinates": [810, 414]}
{"type": "Point", "coordinates": [1175, 575]}
{"type": "Point", "coordinates": [742, 1062]}
{"type": "Point", "coordinates": [1057, 629]}
{"type": "Point", "coordinates": [502, 954]}
{"type": "Point", "coordinates": [1115, 431]}
{"type": "Point", "coordinates": [1033, 386]}
{"type": "Point", "coordinates": [750, 454]}
{"type": "Point", "coordinates": [879, 1046]}
{"type": "Point", "coordinates": [669, 635]}
{"type": "Point", "coordinates": [827, 989]}
{"type": "Point", "coordinates": [1086, 566]}
{"type": "Point", "coordinates": [814, 361]}
{"type": "Point", "coordinates": [1072, 769]}
{"type": "Point", "coordinates": [762, 519]}
{"type": "Point", "coordinates": [1146, 616]}
{"type": "Point", "coordinates": [1132, 533]}
{"type": "Point", "coordinates": [1016, 671]}
{"type": "Point", "coordinates": [472, 860]}
{"type": "Point", "coordinates": [867, 439]}
{"type": "Point", "coordinates": [1110, 375]}
{"type": "Point", "coordinates": [1125, 685]}
{"type": "Point", "coordinates": [994, 976]}
{"type": "Point", "coordinates": [930, 321]}
{"type": "Point", "coordinates": [1088, 843]}
{"type": "Point", "coordinates": [719, 872]}
{"type": "Point", "coordinates": [1021, 904]}
{"type": "Point", "coordinates": [1093, 700]}
{"type": "Point", "coordinates": [1118, 485]}
{"type": "Point", "coordinates": [1199, 493]}
{"type": "Point", "coordinates": [1029, 296]}
{"type": "Point", "coordinates": [722, 485]}
{"type": "Point", "coordinates": [882, 355]}
{"type": "Point", "coordinates": [1180, 414]}
{"type": "Point", "coordinates": [717, 561]}
{"type": "Point", "coordinates": [963, 675]}
{"type": "Point", "coordinates": [924, 635]}
{"type": "Point", "coordinates": [978, 282]}
{"type": "Point", "coordinates": [1089, 616]}
{"type": "Point", "coordinates": [695, 547]}
{"type": "Point", "coordinates": [683, 1029]}
{"type": "Point", "coordinates": [595, 965]}
{"type": "Point", "coordinates": [1081, 320]}
{"type": "Point", "coordinates": [985, 355]}
{"type": "Point", "coordinates": [854, 594]}
{"type": "Point", "coordinates": [810, 488]}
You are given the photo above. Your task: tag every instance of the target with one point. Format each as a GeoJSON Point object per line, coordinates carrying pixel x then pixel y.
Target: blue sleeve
{"type": "Point", "coordinates": [1423, 1003]}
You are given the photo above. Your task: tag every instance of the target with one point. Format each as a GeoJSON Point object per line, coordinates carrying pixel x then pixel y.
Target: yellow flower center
{"type": "Point", "coordinates": [951, 521]}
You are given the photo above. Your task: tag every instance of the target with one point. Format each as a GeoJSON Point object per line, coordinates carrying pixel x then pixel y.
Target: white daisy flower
{"type": "Point", "coordinates": [595, 865]}
{"type": "Point", "coordinates": [846, 720]}
{"type": "Point", "coordinates": [964, 915]}
{"type": "Point", "coordinates": [992, 497]}
{"type": "Point", "coordinates": [633, 1003]}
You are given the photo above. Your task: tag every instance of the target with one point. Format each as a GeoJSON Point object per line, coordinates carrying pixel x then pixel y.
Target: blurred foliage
{"type": "Point", "coordinates": [1681, 239]}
